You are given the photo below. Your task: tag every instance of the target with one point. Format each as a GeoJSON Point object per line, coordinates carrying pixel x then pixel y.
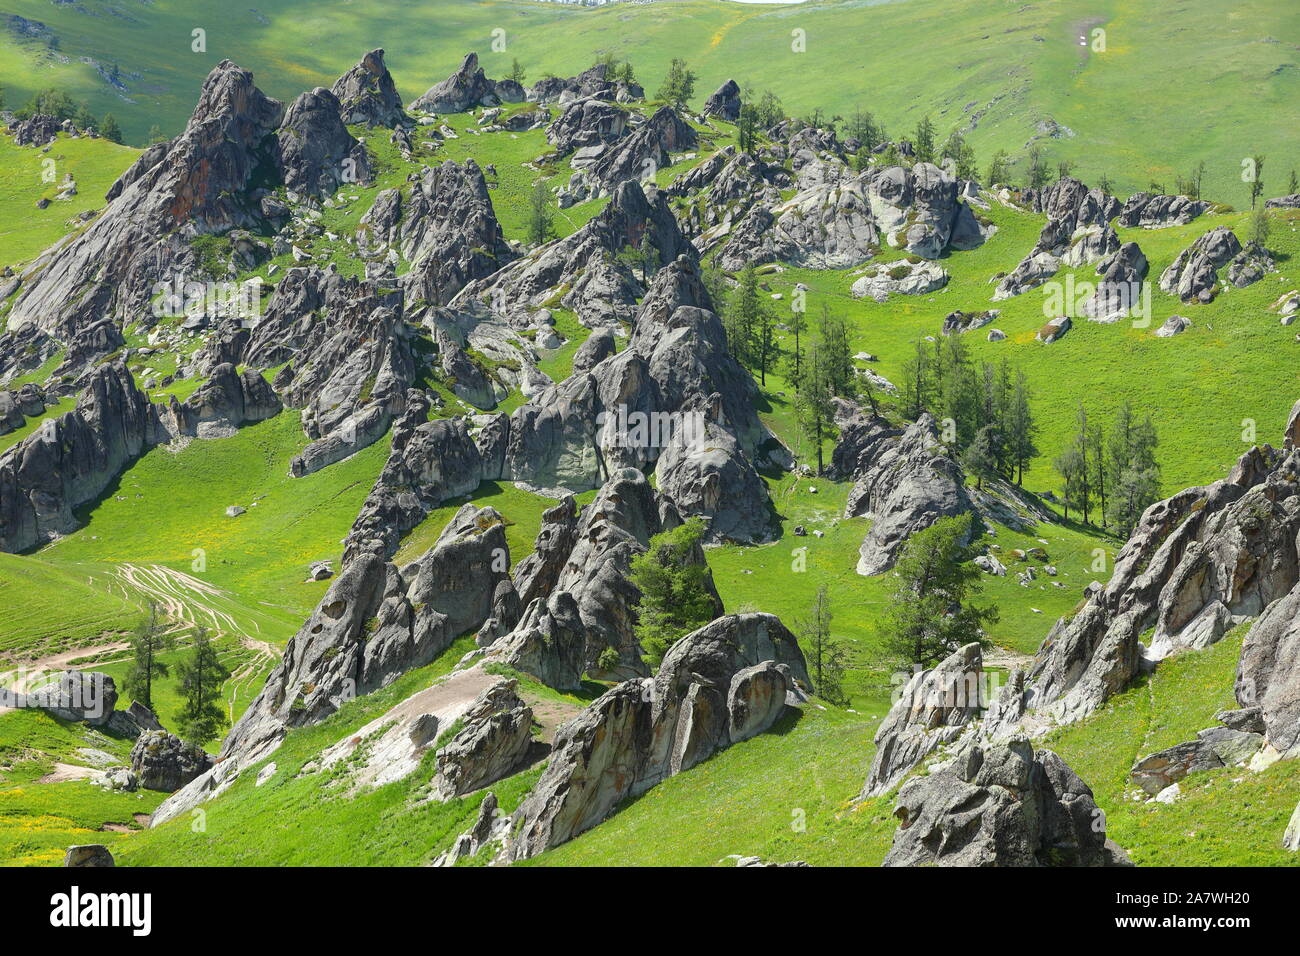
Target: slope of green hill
{"type": "Point", "coordinates": [1011, 72]}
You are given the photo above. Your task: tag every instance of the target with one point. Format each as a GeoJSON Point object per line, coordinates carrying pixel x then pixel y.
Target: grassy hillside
{"type": "Point", "coordinates": [28, 175]}
{"type": "Point", "coordinates": [999, 67]}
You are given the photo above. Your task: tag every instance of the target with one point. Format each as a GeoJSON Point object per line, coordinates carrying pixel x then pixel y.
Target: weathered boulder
{"type": "Point", "coordinates": [1120, 288]}
{"type": "Point", "coordinates": [905, 486]}
{"type": "Point", "coordinates": [705, 473]}
{"type": "Point", "coordinates": [1213, 747]}
{"type": "Point", "coordinates": [227, 400]}
{"type": "Point", "coordinates": [367, 93]}
{"type": "Point", "coordinates": [933, 710]}
{"type": "Point", "coordinates": [900, 278]}
{"type": "Point", "coordinates": [1054, 330]}
{"type": "Point", "coordinates": [959, 323]}
{"type": "Point", "coordinates": [465, 89]}
{"type": "Point", "coordinates": [1031, 272]}
{"type": "Point", "coordinates": [1149, 211]}
{"type": "Point", "coordinates": [162, 761]}
{"type": "Point", "coordinates": [430, 462]}
{"type": "Point", "coordinates": [710, 686]}
{"type": "Point", "coordinates": [1174, 325]}
{"type": "Point", "coordinates": [1291, 837]}
{"type": "Point", "coordinates": [88, 854]}
{"type": "Point", "coordinates": [599, 346]}
{"type": "Point", "coordinates": [77, 696]}
{"type": "Point", "coordinates": [597, 82]}
{"type": "Point", "coordinates": [1001, 805]}
{"type": "Point", "coordinates": [1194, 274]}
{"type": "Point", "coordinates": [36, 131]}
{"type": "Point", "coordinates": [724, 102]}
{"type": "Point", "coordinates": [493, 743]}
{"type": "Point", "coordinates": [1250, 265]}
{"type": "Point", "coordinates": [314, 151]}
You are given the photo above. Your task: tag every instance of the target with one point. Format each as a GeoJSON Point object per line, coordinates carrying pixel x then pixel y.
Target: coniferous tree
{"type": "Point", "coordinates": [1257, 181]}
{"type": "Point", "coordinates": [924, 144]}
{"type": "Point", "coordinates": [999, 169]}
{"type": "Point", "coordinates": [201, 675]}
{"type": "Point", "coordinates": [962, 156]}
{"type": "Point", "coordinates": [980, 457]}
{"type": "Point", "coordinates": [1021, 429]}
{"type": "Point", "coordinates": [541, 217]}
{"type": "Point", "coordinates": [109, 129]}
{"type": "Point", "coordinates": [148, 641]}
{"type": "Point", "coordinates": [813, 404]}
{"type": "Point", "coordinates": [676, 589]}
{"type": "Point", "coordinates": [679, 84]}
{"type": "Point", "coordinates": [742, 317]}
{"type": "Point", "coordinates": [826, 657]}
{"type": "Point", "coordinates": [930, 613]}
{"type": "Point", "coordinates": [1038, 172]}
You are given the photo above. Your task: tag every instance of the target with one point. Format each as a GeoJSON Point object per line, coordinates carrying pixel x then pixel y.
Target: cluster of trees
{"type": "Point", "coordinates": [617, 70]}
{"type": "Point", "coordinates": [818, 361]}
{"type": "Point", "coordinates": [57, 103]}
{"type": "Point", "coordinates": [199, 676]}
{"type": "Point", "coordinates": [1113, 473]}
{"type": "Point", "coordinates": [986, 408]}
{"type": "Point", "coordinates": [758, 112]}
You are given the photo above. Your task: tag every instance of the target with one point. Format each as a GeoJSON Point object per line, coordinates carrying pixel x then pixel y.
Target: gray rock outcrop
{"type": "Point", "coordinates": [1197, 564]}
{"type": "Point", "coordinates": [71, 459]}
{"type": "Point", "coordinates": [933, 710]}
{"type": "Point", "coordinates": [88, 854]}
{"type": "Point", "coordinates": [905, 483]}
{"type": "Point", "coordinates": [449, 232]}
{"type": "Point", "coordinates": [1147, 211]}
{"type": "Point", "coordinates": [580, 599]}
{"type": "Point", "coordinates": [724, 102]}
{"type": "Point", "coordinates": [1213, 748]}
{"type": "Point", "coordinates": [162, 761]}
{"type": "Point", "coordinates": [719, 685]}
{"type": "Point", "coordinates": [314, 151]}
{"type": "Point", "coordinates": [465, 89]}
{"type": "Point", "coordinates": [367, 94]}
{"type": "Point", "coordinates": [1194, 274]}
{"type": "Point", "coordinates": [195, 185]}
{"type": "Point", "coordinates": [375, 622]}
{"type": "Point", "coordinates": [493, 743]}
{"type": "Point", "coordinates": [1001, 805]}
